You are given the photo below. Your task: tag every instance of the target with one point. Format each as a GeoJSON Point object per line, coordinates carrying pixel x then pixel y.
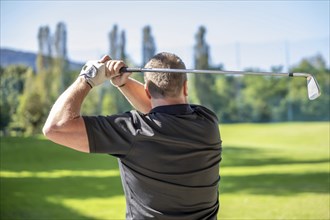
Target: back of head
{"type": "Point", "coordinates": [165, 85]}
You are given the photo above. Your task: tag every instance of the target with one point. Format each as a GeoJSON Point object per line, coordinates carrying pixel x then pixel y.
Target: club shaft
{"type": "Point", "coordinates": [223, 72]}
{"type": "Point", "coordinates": [313, 88]}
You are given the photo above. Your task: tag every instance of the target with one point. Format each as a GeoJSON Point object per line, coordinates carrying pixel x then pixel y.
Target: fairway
{"type": "Point", "coordinates": [268, 171]}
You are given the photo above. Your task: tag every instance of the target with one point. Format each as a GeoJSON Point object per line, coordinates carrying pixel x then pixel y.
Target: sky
{"type": "Point", "coordinates": [240, 34]}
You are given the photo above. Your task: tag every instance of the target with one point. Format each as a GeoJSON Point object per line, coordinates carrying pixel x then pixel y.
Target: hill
{"type": "Point", "coordinates": [16, 57]}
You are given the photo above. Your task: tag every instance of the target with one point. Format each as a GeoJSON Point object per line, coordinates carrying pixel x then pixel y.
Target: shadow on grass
{"type": "Point", "coordinates": [28, 198]}
{"type": "Point", "coordinates": [270, 183]}
{"type": "Point", "coordinates": [276, 184]}
{"type": "Point", "coordinates": [249, 156]}
{"type": "Point", "coordinates": [32, 154]}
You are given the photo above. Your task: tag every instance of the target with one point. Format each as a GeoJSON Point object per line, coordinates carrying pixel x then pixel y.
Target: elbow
{"type": "Point", "coordinates": [45, 131]}
{"type": "Point", "coordinates": [48, 130]}
{"type": "Point", "coordinates": [66, 135]}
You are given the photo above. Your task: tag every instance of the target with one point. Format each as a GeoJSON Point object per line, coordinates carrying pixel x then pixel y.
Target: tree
{"type": "Point", "coordinates": [303, 108]}
{"type": "Point", "coordinates": [272, 99]}
{"type": "Point", "coordinates": [122, 46]}
{"type": "Point", "coordinates": [60, 60]}
{"type": "Point", "coordinates": [262, 97]}
{"type": "Point", "coordinates": [110, 99]}
{"type": "Point", "coordinates": [44, 50]}
{"type": "Point", "coordinates": [148, 45]}
{"type": "Point", "coordinates": [204, 86]}
{"type": "Point", "coordinates": [60, 40]}
{"type": "Point", "coordinates": [34, 104]}
{"type": "Point", "coordinates": [12, 85]}
{"type": "Point", "coordinates": [113, 39]}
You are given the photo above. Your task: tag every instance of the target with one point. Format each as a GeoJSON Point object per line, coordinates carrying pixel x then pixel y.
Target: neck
{"type": "Point", "coordinates": [168, 101]}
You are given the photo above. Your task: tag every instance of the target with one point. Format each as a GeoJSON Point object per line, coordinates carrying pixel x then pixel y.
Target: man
{"type": "Point", "coordinates": [169, 151]}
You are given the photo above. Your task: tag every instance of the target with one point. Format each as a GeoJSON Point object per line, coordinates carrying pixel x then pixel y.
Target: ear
{"type": "Point", "coordinates": [185, 88]}
{"type": "Point", "coordinates": [146, 90]}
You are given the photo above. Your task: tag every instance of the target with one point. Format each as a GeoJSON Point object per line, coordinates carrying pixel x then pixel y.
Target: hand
{"type": "Point", "coordinates": [95, 72]}
{"type": "Point", "coordinates": [113, 70]}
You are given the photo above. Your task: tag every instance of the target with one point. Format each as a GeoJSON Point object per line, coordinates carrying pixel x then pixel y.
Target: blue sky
{"type": "Point", "coordinates": [240, 33]}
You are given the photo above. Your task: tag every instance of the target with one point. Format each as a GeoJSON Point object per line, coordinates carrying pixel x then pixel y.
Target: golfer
{"type": "Point", "coordinates": [168, 150]}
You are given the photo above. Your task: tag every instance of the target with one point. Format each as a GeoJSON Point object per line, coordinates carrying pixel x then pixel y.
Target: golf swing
{"type": "Point", "coordinates": [168, 151]}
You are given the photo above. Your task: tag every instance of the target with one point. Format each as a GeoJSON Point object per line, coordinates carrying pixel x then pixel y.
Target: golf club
{"type": "Point", "coordinates": [313, 88]}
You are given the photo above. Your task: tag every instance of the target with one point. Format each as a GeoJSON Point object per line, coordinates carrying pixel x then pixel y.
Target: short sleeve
{"type": "Point", "coordinates": [110, 134]}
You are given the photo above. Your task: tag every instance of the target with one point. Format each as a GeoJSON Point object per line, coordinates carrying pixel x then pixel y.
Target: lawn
{"type": "Point", "coordinates": [268, 171]}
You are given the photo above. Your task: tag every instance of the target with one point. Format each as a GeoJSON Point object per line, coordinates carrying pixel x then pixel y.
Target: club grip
{"type": "Point", "coordinates": [129, 70]}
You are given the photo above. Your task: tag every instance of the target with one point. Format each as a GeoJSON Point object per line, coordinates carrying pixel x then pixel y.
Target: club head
{"type": "Point", "coordinates": [313, 88]}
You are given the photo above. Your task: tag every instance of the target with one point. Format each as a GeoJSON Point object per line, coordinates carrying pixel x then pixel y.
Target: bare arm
{"type": "Point", "coordinates": [64, 124]}
{"type": "Point", "coordinates": [132, 89]}
{"type": "Point", "coordinates": [136, 95]}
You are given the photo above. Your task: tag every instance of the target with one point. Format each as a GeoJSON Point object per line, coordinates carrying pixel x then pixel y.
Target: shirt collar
{"type": "Point", "coordinates": [179, 109]}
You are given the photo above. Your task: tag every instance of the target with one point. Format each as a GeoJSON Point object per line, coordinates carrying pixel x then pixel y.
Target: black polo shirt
{"type": "Point", "coordinates": [169, 160]}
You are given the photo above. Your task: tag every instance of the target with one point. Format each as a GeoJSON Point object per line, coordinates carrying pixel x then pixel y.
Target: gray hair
{"type": "Point", "coordinates": [162, 85]}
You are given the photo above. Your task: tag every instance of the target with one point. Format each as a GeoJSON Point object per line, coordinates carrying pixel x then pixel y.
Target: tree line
{"type": "Point", "coordinates": [27, 95]}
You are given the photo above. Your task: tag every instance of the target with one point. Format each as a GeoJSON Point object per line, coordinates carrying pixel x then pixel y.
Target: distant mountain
{"type": "Point", "coordinates": [11, 57]}
{"type": "Point", "coordinates": [15, 57]}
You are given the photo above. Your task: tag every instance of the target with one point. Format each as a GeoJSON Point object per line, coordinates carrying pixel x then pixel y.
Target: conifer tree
{"type": "Point", "coordinates": [204, 85]}
{"type": "Point", "coordinates": [148, 45]}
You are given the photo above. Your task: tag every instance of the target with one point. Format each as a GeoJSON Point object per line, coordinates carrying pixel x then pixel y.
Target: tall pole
{"type": "Point", "coordinates": [238, 56]}
{"type": "Point", "coordinates": [287, 63]}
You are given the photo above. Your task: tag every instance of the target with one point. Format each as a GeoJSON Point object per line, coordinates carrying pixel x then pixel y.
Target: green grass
{"type": "Point", "coordinates": [269, 171]}
{"type": "Point", "coordinates": [275, 171]}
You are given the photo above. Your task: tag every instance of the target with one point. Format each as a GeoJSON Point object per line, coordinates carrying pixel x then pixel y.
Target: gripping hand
{"type": "Point", "coordinates": [94, 72]}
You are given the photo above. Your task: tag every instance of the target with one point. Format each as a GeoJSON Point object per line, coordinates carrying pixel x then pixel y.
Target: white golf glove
{"type": "Point", "coordinates": [94, 73]}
